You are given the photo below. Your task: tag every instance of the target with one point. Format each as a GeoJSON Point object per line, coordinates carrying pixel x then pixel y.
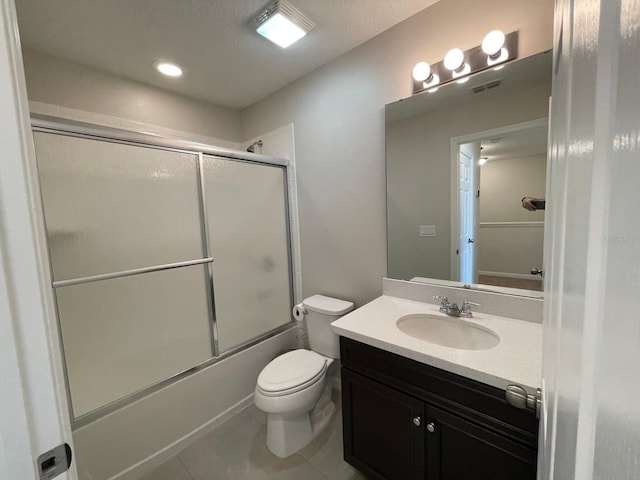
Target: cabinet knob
{"type": "Point", "coordinates": [417, 421]}
{"type": "Point", "coordinates": [431, 427]}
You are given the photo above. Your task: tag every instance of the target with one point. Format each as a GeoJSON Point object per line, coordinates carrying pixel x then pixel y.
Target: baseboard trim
{"type": "Point", "coordinates": [156, 459]}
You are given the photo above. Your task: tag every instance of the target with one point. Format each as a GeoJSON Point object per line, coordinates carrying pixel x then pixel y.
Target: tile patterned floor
{"type": "Point", "coordinates": [236, 450]}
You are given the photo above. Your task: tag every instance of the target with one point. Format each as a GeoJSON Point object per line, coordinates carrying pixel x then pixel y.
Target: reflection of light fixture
{"type": "Point", "coordinates": [422, 73]}
{"type": "Point", "coordinates": [454, 61]}
{"type": "Point", "coordinates": [282, 23]}
{"type": "Point", "coordinates": [483, 160]}
{"type": "Point", "coordinates": [167, 68]}
{"type": "Point", "coordinates": [492, 45]}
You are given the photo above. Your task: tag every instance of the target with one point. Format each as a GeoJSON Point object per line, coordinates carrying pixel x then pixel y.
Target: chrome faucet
{"type": "Point", "coordinates": [451, 308]}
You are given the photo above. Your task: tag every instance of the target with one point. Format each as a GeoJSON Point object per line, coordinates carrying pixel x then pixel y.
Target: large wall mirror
{"type": "Point", "coordinates": [459, 161]}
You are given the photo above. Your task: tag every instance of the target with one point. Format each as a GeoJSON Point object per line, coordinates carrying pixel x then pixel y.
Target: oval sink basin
{"type": "Point", "coordinates": [450, 332]}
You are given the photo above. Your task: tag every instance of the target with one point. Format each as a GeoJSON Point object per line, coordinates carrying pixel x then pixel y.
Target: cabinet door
{"type": "Point", "coordinates": [459, 450]}
{"type": "Point", "coordinates": [383, 429]}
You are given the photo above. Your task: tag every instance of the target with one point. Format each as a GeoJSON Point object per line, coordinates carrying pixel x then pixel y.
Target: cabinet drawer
{"type": "Point", "coordinates": [466, 398]}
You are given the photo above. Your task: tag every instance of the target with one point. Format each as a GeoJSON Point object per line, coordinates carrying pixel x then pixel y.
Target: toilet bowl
{"type": "Point", "coordinates": [293, 389]}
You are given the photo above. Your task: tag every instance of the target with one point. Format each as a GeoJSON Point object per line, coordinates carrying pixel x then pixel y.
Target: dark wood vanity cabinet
{"type": "Point", "coordinates": [404, 420]}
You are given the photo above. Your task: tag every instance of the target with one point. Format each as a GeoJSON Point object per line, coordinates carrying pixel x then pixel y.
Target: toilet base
{"type": "Point", "coordinates": [288, 433]}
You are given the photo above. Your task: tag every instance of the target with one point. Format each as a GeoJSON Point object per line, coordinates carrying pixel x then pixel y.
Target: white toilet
{"type": "Point", "coordinates": [293, 388]}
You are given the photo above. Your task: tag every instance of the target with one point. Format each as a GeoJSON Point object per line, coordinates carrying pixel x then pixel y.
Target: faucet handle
{"type": "Point", "coordinates": [444, 299]}
{"type": "Point", "coordinates": [465, 309]}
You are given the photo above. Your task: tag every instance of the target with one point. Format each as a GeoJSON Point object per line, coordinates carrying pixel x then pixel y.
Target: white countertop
{"type": "Point", "coordinates": [516, 359]}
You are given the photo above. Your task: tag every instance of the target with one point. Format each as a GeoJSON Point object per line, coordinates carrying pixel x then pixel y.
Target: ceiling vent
{"type": "Point", "coordinates": [486, 86]}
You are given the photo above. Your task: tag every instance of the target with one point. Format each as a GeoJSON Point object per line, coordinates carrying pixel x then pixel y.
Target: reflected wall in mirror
{"type": "Point", "coordinates": [496, 114]}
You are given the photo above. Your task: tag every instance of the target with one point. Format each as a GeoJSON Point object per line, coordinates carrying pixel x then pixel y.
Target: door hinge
{"type": "Point", "coordinates": [54, 462]}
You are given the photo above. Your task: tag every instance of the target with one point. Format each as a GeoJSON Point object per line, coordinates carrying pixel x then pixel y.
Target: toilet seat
{"type": "Point", "coordinates": [291, 372]}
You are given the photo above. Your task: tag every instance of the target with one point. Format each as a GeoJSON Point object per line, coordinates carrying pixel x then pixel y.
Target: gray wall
{"type": "Point", "coordinates": [503, 183]}
{"type": "Point", "coordinates": [57, 81]}
{"type": "Point", "coordinates": [338, 113]}
{"type": "Point", "coordinates": [516, 247]}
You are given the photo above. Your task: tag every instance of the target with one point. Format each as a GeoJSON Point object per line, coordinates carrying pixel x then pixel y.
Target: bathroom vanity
{"type": "Point", "coordinates": [414, 409]}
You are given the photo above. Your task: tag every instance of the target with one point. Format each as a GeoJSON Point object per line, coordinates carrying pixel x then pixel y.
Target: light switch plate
{"type": "Point", "coordinates": [427, 230]}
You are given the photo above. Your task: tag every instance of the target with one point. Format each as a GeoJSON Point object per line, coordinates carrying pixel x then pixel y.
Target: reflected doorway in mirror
{"type": "Point", "coordinates": [468, 185]}
{"type": "Point", "coordinates": [509, 240]}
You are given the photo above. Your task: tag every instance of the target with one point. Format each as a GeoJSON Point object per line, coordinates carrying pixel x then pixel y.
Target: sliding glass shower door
{"type": "Point", "coordinates": [247, 220]}
{"type": "Point", "coordinates": [143, 240]}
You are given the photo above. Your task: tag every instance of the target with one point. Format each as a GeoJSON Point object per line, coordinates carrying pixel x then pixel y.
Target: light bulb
{"type": "Point", "coordinates": [432, 81]}
{"type": "Point", "coordinates": [169, 69]}
{"type": "Point", "coordinates": [421, 71]}
{"type": "Point", "coordinates": [454, 59]}
{"type": "Point", "coordinates": [499, 57]}
{"type": "Point", "coordinates": [482, 161]}
{"type": "Point", "coordinates": [493, 42]}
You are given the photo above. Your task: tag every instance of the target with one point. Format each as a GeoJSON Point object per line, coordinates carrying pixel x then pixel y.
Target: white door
{"type": "Point", "coordinates": [468, 155]}
{"type": "Point", "coordinates": [591, 419]}
{"type": "Point", "coordinates": [33, 406]}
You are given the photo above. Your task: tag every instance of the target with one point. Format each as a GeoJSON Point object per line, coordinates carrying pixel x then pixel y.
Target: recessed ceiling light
{"type": "Point", "coordinates": [167, 68]}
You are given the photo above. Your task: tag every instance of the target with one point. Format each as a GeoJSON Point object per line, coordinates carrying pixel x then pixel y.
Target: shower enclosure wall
{"type": "Point", "coordinates": [165, 258]}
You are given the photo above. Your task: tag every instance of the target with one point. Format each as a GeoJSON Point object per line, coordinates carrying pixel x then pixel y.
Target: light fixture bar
{"type": "Point", "coordinates": [472, 61]}
{"type": "Point", "coordinates": [282, 23]}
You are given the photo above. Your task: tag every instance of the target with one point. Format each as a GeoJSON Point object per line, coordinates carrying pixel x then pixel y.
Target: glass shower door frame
{"type": "Point", "coordinates": [59, 126]}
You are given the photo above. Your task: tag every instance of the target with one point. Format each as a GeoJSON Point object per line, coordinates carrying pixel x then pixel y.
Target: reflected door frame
{"type": "Point", "coordinates": [454, 163]}
{"type": "Point", "coordinates": [468, 184]}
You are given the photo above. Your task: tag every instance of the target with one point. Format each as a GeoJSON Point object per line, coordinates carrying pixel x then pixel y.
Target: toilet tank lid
{"type": "Point", "coordinates": [327, 305]}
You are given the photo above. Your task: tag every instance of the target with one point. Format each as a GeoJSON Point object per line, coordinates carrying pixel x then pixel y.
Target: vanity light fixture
{"type": "Point", "coordinates": [496, 51]}
{"type": "Point", "coordinates": [167, 68]}
{"type": "Point", "coordinates": [493, 46]}
{"type": "Point", "coordinates": [282, 23]}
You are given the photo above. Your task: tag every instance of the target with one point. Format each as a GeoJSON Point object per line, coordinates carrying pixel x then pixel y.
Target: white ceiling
{"type": "Point", "coordinates": [517, 145]}
{"type": "Point", "coordinates": [225, 61]}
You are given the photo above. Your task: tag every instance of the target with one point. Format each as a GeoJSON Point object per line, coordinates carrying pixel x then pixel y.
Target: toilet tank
{"type": "Point", "coordinates": [321, 311]}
